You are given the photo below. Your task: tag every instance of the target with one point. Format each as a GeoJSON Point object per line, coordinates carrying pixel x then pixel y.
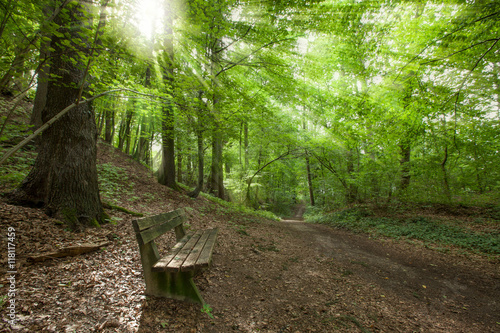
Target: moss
{"type": "Point", "coordinates": [95, 223]}
{"type": "Point", "coordinates": [105, 218]}
{"type": "Point", "coordinates": [70, 217]}
{"type": "Point", "coordinates": [121, 209]}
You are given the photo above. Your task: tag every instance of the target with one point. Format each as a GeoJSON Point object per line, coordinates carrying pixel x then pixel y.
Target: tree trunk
{"type": "Point", "coordinates": [201, 165]}
{"type": "Point", "coordinates": [446, 184]}
{"type": "Point", "coordinates": [167, 174]}
{"type": "Point", "coordinates": [179, 167]}
{"type": "Point", "coordinates": [309, 180]}
{"type": "Point", "coordinates": [64, 176]}
{"type": "Point", "coordinates": [217, 171]}
{"type": "Point", "coordinates": [352, 189]}
{"type": "Point", "coordinates": [245, 141]}
{"type": "Point", "coordinates": [109, 123]}
{"type": "Point", "coordinates": [41, 90]}
{"type": "Point", "coordinates": [141, 151]}
{"type": "Point", "coordinates": [404, 162]}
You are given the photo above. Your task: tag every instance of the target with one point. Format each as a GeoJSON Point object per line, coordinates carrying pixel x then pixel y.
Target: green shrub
{"type": "Point", "coordinates": [422, 228]}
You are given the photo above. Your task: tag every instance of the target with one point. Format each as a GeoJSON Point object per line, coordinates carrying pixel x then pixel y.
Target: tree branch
{"type": "Point", "coordinates": [251, 53]}
{"type": "Point", "coordinates": [445, 36]}
{"type": "Point", "coordinates": [59, 115]}
{"type": "Point", "coordinates": [467, 48]}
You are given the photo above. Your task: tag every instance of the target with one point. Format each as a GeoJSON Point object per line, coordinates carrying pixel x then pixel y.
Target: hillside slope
{"type": "Point", "coordinates": [268, 276]}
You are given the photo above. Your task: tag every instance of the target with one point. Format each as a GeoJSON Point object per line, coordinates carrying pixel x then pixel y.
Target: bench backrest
{"type": "Point", "coordinates": [147, 229]}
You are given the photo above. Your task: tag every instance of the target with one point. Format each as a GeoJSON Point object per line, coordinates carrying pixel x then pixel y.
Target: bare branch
{"type": "Point", "coordinates": [467, 48]}
{"type": "Point", "coordinates": [62, 113]}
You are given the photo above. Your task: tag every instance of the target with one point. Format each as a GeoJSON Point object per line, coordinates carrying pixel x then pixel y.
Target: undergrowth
{"type": "Point", "coordinates": [112, 180]}
{"type": "Point", "coordinates": [429, 230]}
{"type": "Point", "coordinates": [16, 168]}
{"type": "Point", "coordinates": [231, 207]}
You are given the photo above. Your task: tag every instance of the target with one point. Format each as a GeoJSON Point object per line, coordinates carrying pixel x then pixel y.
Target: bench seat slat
{"type": "Point", "coordinates": [175, 264]}
{"type": "Point", "coordinates": [160, 265]}
{"type": "Point", "coordinates": [190, 262]}
{"type": "Point", "coordinates": [206, 255]}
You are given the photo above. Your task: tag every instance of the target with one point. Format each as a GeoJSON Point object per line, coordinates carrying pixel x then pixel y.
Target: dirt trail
{"type": "Point", "coordinates": [439, 284]}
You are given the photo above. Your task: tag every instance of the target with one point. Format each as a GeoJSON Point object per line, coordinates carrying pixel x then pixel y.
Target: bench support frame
{"type": "Point", "coordinates": [179, 285]}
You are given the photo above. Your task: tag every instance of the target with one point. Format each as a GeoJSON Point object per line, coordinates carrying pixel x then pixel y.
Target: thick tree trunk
{"type": "Point", "coordinates": [167, 174]}
{"type": "Point", "coordinates": [64, 176]}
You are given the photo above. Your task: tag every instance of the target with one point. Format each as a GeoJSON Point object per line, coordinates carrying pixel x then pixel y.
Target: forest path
{"type": "Point", "coordinates": [438, 283]}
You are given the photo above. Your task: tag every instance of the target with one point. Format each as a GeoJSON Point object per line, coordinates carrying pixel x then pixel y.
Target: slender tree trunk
{"type": "Point", "coordinates": [109, 122]}
{"type": "Point", "coordinates": [216, 170]}
{"type": "Point", "coordinates": [179, 167]}
{"type": "Point", "coordinates": [201, 165]}
{"type": "Point", "coordinates": [42, 84]}
{"type": "Point", "coordinates": [7, 15]}
{"type": "Point", "coordinates": [189, 166]}
{"type": "Point", "coordinates": [446, 184]}
{"type": "Point", "coordinates": [309, 180]}
{"type": "Point", "coordinates": [404, 162]}
{"type": "Point", "coordinates": [352, 189]}
{"type": "Point", "coordinates": [42, 77]}
{"type": "Point", "coordinates": [245, 140]}
{"type": "Point", "coordinates": [64, 176]}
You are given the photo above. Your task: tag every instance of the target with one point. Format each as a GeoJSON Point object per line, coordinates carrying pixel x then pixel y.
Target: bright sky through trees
{"type": "Point", "coordinates": [149, 15]}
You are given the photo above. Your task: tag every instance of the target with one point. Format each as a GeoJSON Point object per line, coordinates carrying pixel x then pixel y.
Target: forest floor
{"type": "Point", "coordinates": [267, 276]}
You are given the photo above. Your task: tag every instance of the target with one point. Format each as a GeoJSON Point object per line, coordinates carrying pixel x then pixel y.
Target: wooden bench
{"type": "Point", "coordinates": [172, 275]}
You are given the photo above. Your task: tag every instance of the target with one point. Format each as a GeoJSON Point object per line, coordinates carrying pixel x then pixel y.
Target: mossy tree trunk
{"type": "Point", "coordinates": [64, 176]}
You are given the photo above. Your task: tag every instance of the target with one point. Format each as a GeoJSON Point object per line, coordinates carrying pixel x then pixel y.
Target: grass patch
{"type": "Point", "coordinates": [426, 229]}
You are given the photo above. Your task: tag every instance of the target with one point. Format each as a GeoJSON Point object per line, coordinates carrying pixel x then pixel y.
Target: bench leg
{"type": "Point", "coordinates": [179, 286]}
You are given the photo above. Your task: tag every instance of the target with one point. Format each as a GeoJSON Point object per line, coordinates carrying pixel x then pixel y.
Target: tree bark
{"type": "Point", "coordinates": [64, 176]}
{"type": "Point", "coordinates": [404, 162]}
{"type": "Point", "coordinates": [109, 124]}
{"type": "Point", "coordinates": [446, 184]}
{"type": "Point", "coordinates": [216, 170]}
{"type": "Point", "coordinates": [167, 174]}
{"type": "Point", "coordinates": [179, 167]}
{"type": "Point", "coordinates": [352, 188]}
{"type": "Point", "coordinates": [245, 144]}
{"type": "Point", "coordinates": [201, 165]}
{"type": "Point", "coordinates": [309, 180]}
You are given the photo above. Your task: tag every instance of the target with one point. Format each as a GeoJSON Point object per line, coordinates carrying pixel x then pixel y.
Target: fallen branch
{"type": "Point", "coordinates": [69, 251]}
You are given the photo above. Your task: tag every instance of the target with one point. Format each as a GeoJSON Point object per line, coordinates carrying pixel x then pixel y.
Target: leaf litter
{"type": "Point", "coordinates": [274, 277]}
